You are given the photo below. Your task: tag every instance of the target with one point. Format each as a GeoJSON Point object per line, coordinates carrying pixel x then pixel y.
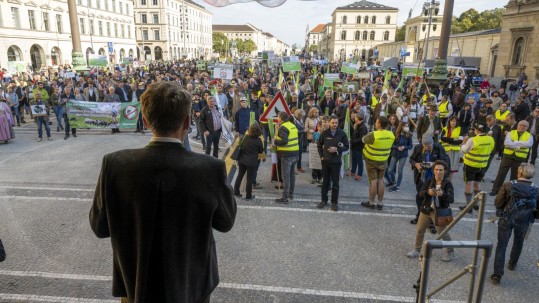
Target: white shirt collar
{"type": "Point", "coordinates": [166, 139]}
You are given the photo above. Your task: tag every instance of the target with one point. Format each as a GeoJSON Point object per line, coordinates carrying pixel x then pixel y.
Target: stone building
{"type": "Point", "coordinates": [519, 50]}
{"type": "Point", "coordinates": [314, 36]}
{"type": "Point", "coordinates": [38, 32]}
{"type": "Point", "coordinates": [264, 41]}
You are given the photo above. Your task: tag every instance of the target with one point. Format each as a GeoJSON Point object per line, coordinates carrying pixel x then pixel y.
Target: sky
{"type": "Point", "coordinates": [289, 21]}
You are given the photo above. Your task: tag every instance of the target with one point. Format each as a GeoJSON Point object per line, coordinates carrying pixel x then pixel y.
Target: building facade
{"type": "Point", "coordinates": [172, 29]}
{"type": "Point", "coordinates": [264, 41]}
{"type": "Point", "coordinates": [38, 32]}
{"type": "Point", "coordinates": [314, 36]}
{"type": "Point", "coordinates": [519, 51]}
{"type": "Point", "coordinates": [358, 27]}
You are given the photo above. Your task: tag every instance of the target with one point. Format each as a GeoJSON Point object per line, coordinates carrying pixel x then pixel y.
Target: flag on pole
{"type": "Point", "coordinates": [385, 88]}
{"type": "Point", "coordinates": [280, 79]}
{"type": "Point", "coordinates": [401, 84]}
{"type": "Point", "coordinates": [252, 118]}
{"type": "Point", "coordinates": [296, 82]}
{"type": "Point", "coordinates": [346, 155]}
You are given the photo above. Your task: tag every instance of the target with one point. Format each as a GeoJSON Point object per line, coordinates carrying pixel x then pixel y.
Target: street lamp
{"type": "Point", "coordinates": [428, 9]}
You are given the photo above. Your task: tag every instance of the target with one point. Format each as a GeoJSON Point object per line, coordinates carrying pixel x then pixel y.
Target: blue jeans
{"type": "Point", "coordinates": [392, 169]}
{"type": "Point", "coordinates": [59, 112]}
{"type": "Point", "coordinates": [266, 132]}
{"type": "Point", "coordinates": [522, 219]}
{"type": "Point", "coordinates": [17, 114]}
{"type": "Point", "coordinates": [357, 162]}
{"type": "Point", "coordinates": [40, 122]}
{"type": "Point", "coordinates": [289, 175]}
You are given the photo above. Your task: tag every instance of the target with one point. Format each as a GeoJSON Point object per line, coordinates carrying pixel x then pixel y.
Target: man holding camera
{"type": "Point", "coordinates": [517, 208]}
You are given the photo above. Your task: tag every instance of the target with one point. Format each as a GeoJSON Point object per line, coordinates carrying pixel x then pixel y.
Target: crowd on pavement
{"type": "Point", "coordinates": [458, 127]}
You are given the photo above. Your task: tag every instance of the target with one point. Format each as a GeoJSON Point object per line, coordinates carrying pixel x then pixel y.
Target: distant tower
{"type": "Point", "coordinates": [410, 14]}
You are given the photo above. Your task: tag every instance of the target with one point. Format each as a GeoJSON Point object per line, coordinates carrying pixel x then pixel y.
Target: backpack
{"type": "Point", "coordinates": [513, 87]}
{"type": "Point", "coordinates": [522, 195]}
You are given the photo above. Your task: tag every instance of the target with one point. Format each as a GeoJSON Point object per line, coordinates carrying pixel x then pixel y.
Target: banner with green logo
{"type": "Point", "coordinates": [201, 65]}
{"type": "Point", "coordinates": [349, 68]}
{"type": "Point", "coordinates": [98, 60]}
{"type": "Point", "coordinates": [291, 64]}
{"type": "Point", "coordinates": [83, 114]}
{"type": "Point", "coordinates": [412, 71]}
{"type": "Point", "coordinates": [330, 78]}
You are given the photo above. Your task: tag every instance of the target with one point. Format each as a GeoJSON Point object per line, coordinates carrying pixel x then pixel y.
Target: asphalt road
{"type": "Point", "coordinates": [274, 253]}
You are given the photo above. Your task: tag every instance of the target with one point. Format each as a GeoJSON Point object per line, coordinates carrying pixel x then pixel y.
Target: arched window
{"type": "Point", "coordinates": [366, 19]}
{"type": "Point", "coordinates": [343, 35]}
{"type": "Point", "coordinates": [518, 51]}
{"type": "Point", "coordinates": [344, 19]}
{"type": "Point", "coordinates": [358, 20]}
{"type": "Point", "coordinates": [14, 53]}
{"type": "Point", "coordinates": [365, 35]}
{"type": "Point", "coordinates": [357, 35]}
{"type": "Point", "coordinates": [372, 35]}
{"type": "Point", "coordinates": [388, 20]}
{"type": "Point", "coordinates": [373, 20]}
{"type": "Point", "coordinates": [386, 35]}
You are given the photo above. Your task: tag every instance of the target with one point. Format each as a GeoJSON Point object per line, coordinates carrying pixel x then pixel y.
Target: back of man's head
{"type": "Point", "coordinates": [283, 116]}
{"type": "Point", "coordinates": [526, 170]}
{"type": "Point", "coordinates": [165, 106]}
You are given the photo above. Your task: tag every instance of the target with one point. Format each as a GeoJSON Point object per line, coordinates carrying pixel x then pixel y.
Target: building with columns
{"type": "Point", "coordinates": [172, 29]}
{"type": "Point", "coordinates": [358, 27]}
{"type": "Point", "coordinates": [38, 32]}
{"type": "Point", "coordinates": [264, 41]}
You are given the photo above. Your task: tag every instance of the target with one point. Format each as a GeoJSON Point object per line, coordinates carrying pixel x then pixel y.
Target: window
{"type": "Point", "coordinates": [98, 4]}
{"type": "Point", "coordinates": [108, 27]}
{"type": "Point", "coordinates": [90, 3]}
{"type": "Point", "coordinates": [127, 9]}
{"type": "Point", "coordinates": [365, 35]}
{"type": "Point", "coordinates": [100, 28]}
{"type": "Point", "coordinates": [79, 2]}
{"type": "Point", "coordinates": [113, 4]}
{"type": "Point", "coordinates": [373, 20]}
{"type": "Point", "coordinates": [15, 17]}
{"type": "Point", "coordinates": [366, 19]}
{"type": "Point", "coordinates": [91, 24]}
{"type": "Point", "coordinates": [46, 24]}
{"type": "Point", "coordinates": [32, 19]}
{"type": "Point", "coordinates": [156, 35]}
{"type": "Point", "coordinates": [106, 5]}
{"type": "Point", "coordinates": [386, 36]}
{"type": "Point", "coordinates": [122, 30]}
{"type": "Point", "coordinates": [142, 2]}
{"type": "Point", "coordinates": [388, 20]}
{"type": "Point", "coordinates": [59, 26]}
{"type": "Point", "coordinates": [372, 35]}
{"type": "Point", "coordinates": [155, 2]}
{"type": "Point", "coordinates": [129, 31]}
{"type": "Point", "coordinates": [115, 29]}
{"type": "Point", "coordinates": [358, 20]}
{"type": "Point", "coordinates": [344, 19]}
{"type": "Point", "coordinates": [357, 35]}
{"type": "Point", "coordinates": [13, 54]}
{"type": "Point", "coordinates": [518, 51]}
{"type": "Point", "coordinates": [145, 34]}
{"type": "Point", "coordinates": [343, 35]}
{"type": "Point", "coordinates": [120, 5]}
{"type": "Point", "coordinates": [143, 18]}
{"type": "Point", "coordinates": [82, 28]}
{"type": "Point", "coordinates": [155, 18]}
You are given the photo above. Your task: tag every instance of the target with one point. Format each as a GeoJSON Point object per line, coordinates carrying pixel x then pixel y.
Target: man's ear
{"type": "Point", "coordinates": [186, 122]}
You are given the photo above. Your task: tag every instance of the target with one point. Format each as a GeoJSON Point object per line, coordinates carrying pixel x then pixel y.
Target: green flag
{"type": "Point", "coordinates": [385, 88]}
{"type": "Point", "coordinates": [346, 156]}
{"type": "Point", "coordinates": [401, 84]}
{"type": "Point", "coordinates": [252, 118]}
{"type": "Point", "coordinates": [327, 111]}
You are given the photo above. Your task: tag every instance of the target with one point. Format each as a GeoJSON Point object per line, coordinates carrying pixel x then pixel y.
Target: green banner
{"type": "Point", "coordinates": [98, 60]}
{"type": "Point", "coordinates": [83, 114]}
{"type": "Point", "coordinates": [201, 65]}
{"type": "Point", "coordinates": [330, 78]}
{"type": "Point", "coordinates": [412, 71]}
{"type": "Point", "coordinates": [291, 64]}
{"type": "Point", "coordinates": [349, 68]}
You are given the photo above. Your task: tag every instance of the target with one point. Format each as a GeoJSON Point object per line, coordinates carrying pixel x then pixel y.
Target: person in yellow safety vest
{"type": "Point", "coordinates": [287, 143]}
{"type": "Point", "coordinates": [451, 140]}
{"type": "Point", "coordinates": [375, 99]}
{"type": "Point", "coordinates": [445, 108]}
{"type": "Point", "coordinates": [501, 114]}
{"type": "Point", "coordinates": [515, 152]}
{"type": "Point", "coordinates": [376, 152]}
{"type": "Point", "coordinates": [476, 152]}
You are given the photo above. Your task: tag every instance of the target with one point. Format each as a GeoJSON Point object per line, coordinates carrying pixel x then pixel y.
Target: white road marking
{"type": "Point", "coordinates": [254, 287]}
{"type": "Point", "coordinates": [48, 188]}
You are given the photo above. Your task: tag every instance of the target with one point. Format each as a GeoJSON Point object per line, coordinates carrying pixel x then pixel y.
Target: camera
{"type": "Point", "coordinates": [425, 165]}
{"type": "Point", "coordinates": [425, 209]}
{"type": "Point", "coordinates": [340, 144]}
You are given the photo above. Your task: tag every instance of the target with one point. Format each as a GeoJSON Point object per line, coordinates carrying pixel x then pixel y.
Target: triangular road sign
{"type": "Point", "coordinates": [277, 105]}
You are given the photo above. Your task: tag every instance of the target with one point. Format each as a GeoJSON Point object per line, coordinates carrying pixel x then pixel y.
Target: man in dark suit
{"type": "Point", "coordinates": [210, 126]}
{"type": "Point", "coordinates": [533, 120]}
{"type": "Point", "coordinates": [160, 228]}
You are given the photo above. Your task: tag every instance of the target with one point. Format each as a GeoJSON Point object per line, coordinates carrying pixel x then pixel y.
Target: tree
{"type": "Point", "coordinates": [401, 34]}
{"type": "Point", "coordinates": [249, 46]}
{"type": "Point", "coordinates": [294, 48]}
{"type": "Point", "coordinates": [220, 43]}
{"type": "Point", "coordinates": [313, 48]}
{"type": "Point", "coordinates": [471, 20]}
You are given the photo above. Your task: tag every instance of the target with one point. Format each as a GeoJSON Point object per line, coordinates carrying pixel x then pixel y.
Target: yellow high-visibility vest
{"type": "Point", "coordinates": [265, 107]}
{"type": "Point", "coordinates": [501, 117]}
{"type": "Point", "coordinates": [483, 145]}
{"type": "Point", "coordinates": [293, 143]}
{"type": "Point", "coordinates": [374, 101]}
{"type": "Point", "coordinates": [443, 108]}
{"type": "Point", "coordinates": [521, 152]}
{"type": "Point", "coordinates": [455, 134]}
{"type": "Point", "coordinates": [381, 148]}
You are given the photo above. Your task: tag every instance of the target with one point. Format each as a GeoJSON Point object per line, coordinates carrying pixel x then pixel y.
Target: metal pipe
{"type": "Point", "coordinates": [447, 283]}
{"type": "Point", "coordinates": [427, 251]}
{"type": "Point", "coordinates": [430, 7]}
{"type": "Point", "coordinates": [478, 231]}
{"type": "Point", "coordinates": [457, 219]}
{"type": "Point", "coordinates": [483, 273]}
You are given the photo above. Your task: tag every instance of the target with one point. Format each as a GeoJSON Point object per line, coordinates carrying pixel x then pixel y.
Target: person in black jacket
{"type": "Point", "coordinates": [533, 120]}
{"type": "Point", "coordinates": [356, 145]}
{"type": "Point", "coordinates": [437, 193]}
{"type": "Point", "coordinates": [210, 126]}
{"type": "Point", "coordinates": [251, 147]}
{"type": "Point", "coordinates": [333, 142]}
{"type": "Point", "coordinates": [520, 109]}
{"type": "Point", "coordinates": [496, 132]}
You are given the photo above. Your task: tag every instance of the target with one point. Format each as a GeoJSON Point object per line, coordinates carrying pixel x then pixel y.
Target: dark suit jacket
{"type": "Point", "coordinates": [206, 120]}
{"type": "Point", "coordinates": [118, 91]}
{"type": "Point", "coordinates": [160, 221]}
{"type": "Point", "coordinates": [424, 124]}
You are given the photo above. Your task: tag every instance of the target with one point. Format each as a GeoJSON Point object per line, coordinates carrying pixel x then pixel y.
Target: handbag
{"type": "Point", "coordinates": [2, 252]}
{"type": "Point", "coordinates": [236, 152]}
{"type": "Point", "coordinates": [443, 216]}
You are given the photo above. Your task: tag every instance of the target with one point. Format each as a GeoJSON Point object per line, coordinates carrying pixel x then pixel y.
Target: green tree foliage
{"type": "Point", "coordinates": [248, 46]}
{"type": "Point", "coordinates": [471, 20]}
{"type": "Point", "coordinates": [220, 42]}
{"type": "Point", "coordinates": [401, 34]}
{"type": "Point", "coordinates": [313, 48]}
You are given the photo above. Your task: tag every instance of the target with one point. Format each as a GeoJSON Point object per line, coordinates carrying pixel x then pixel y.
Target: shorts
{"type": "Point", "coordinates": [375, 172]}
{"type": "Point", "coordinates": [473, 173]}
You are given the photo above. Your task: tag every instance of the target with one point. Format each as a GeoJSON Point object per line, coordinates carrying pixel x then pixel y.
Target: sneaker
{"type": "Point", "coordinates": [379, 206]}
{"type": "Point", "coordinates": [492, 194]}
{"type": "Point", "coordinates": [49, 138]}
{"type": "Point", "coordinates": [511, 266]}
{"type": "Point", "coordinates": [57, 129]}
{"type": "Point", "coordinates": [290, 197]}
{"type": "Point", "coordinates": [367, 205]}
{"type": "Point", "coordinates": [39, 140]}
{"type": "Point", "coordinates": [495, 279]}
{"type": "Point", "coordinates": [357, 178]}
{"type": "Point", "coordinates": [321, 204]}
{"type": "Point", "coordinates": [413, 254]}
{"type": "Point", "coordinates": [394, 188]}
{"type": "Point", "coordinates": [142, 132]}
{"type": "Point", "coordinates": [250, 198]}
{"type": "Point", "coordinates": [391, 184]}
{"type": "Point", "coordinates": [413, 221]}
{"type": "Point", "coordinates": [281, 201]}
{"type": "Point", "coordinates": [238, 195]}
{"type": "Point", "coordinates": [448, 256]}
{"type": "Point", "coordinates": [334, 207]}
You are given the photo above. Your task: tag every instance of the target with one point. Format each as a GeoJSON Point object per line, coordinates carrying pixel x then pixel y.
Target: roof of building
{"type": "Point", "coordinates": [268, 34]}
{"type": "Point", "coordinates": [318, 29]}
{"type": "Point", "coordinates": [477, 33]}
{"type": "Point", "coordinates": [232, 28]}
{"type": "Point", "coordinates": [195, 4]}
{"type": "Point", "coordinates": [366, 5]}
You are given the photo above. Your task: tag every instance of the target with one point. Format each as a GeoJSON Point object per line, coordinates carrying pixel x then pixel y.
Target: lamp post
{"type": "Point", "coordinates": [439, 72]}
{"type": "Point", "coordinates": [77, 57]}
{"type": "Point", "coordinates": [428, 8]}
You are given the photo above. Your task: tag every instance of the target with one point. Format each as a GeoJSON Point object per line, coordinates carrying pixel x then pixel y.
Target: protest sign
{"type": "Point", "coordinates": [314, 157]}
{"type": "Point", "coordinates": [39, 110]}
{"type": "Point", "coordinates": [291, 64]}
{"type": "Point", "coordinates": [223, 71]}
{"type": "Point", "coordinates": [329, 79]}
{"type": "Point", "coordinates": [83, 114]}
{"type": "Point", "coordinates": [349, 68]}
{"type": "Point", "coordinates": [16, 66]}
{"type": "Point", "coordinates": [98, 60]}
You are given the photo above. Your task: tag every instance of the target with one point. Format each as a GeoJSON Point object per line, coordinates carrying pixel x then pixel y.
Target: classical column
{"type": "Point", "coordinates": [439, 72]}
{"type": "Point", "coordinates": [78, 61]}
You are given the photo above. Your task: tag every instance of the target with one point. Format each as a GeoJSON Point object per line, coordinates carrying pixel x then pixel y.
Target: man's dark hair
{"type": "Point", "coordinates": [383, 122]}
{"type": "Point", "coordinates": [165, 106]}
{"type": "Point", "coordinates": [254, 130]}
{"type": "Point", "coordinates": [442, 163]}
{"type": "Point", "coordinates": [283, 116]}
{"type": "Point", "coordinates": [333, 117]}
